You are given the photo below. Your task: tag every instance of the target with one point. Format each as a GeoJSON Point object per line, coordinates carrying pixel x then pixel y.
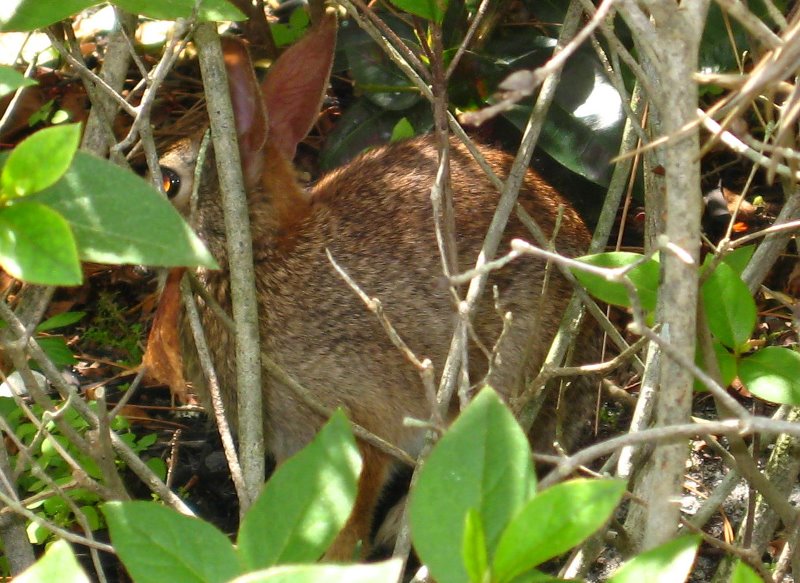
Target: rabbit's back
{"type": "Point", "coordinates": [375, 217]}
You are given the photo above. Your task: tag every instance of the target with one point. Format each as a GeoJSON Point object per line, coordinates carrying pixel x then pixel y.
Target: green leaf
{"type": "Point", "coordinates": [402, 130]}
{"type": "Point", "coordinates": [61, 320]}
{"type": "Point", "coordinates": [429, 9]}
{"type": "Point", "coordinates": [730, 309]}
{"type": "Point", "coordinates": [668, 563]}
{"type": "Point", "coordinates": [40, 160]}
{"type": "Point", "coordinates": [385, 572]}
{"type": "Point", "coordinates": [42, 114]}
{"type": "Point", "coordinates": [553, 522]}
{"type": "Point", "coordinates": [772, 373]}
{"type": "Point", "coordinates": [37, 534]}
{"type": "Point", "coordinates": [742, 573]}
{"type": "Point", "coordinates": [375, 75]}
{"type": "Point", "coordinates": [54, 506]}
{"type": "Point", "coordinates": [11, 80]}
{"type": "Point", "coordinates": [482, 463]}
{"type": "Point", "coordinates": [473, 550]}
{"type": "Point", "coordinates": [580, 133]}
{"type": "Point", "coordinates": [292, 31]}
{"type": "Point", "coordinates": [537, 577]}
{"type": "Point", "coordinates": [213, 10]}
{"type": "Point", "coordinates": [57, 350]}
{"type": "Point", "coordinates": [146, 441]}
{"type": "Point", "coordinates": [92, 517]}
{"type": "Point", "coordinates": [158, 544]}
{"type": "Point", "coordinates": [37, 246]}
{"type": "Point", "coordinates": [158, 467]}
{"type": "Point", "coordinates": [118, 218]}
{"type": "Point", "coordinates": [57, 564]}
{"type": "Point", "coordinates": [739, 258]}
{"type": "Point", "coordinates": [305, 503]}
{"type": "Point", "coordinates": [644, 277]}
{"type": "Point", "coordinates": [25, 15]}
{"type": "Point", "coordinates": [363, 126]}
{"type": "Point", "coordinates": [726, 362]}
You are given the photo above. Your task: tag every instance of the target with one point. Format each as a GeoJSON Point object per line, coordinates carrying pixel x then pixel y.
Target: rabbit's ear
{"type": "Point", "coordinates": [296, 83]}
{"type": "Point", "coordinates": [248, 109]}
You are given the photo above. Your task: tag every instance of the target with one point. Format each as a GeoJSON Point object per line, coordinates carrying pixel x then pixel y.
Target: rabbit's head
{"type": "Point", "coordinates": [271, 118]}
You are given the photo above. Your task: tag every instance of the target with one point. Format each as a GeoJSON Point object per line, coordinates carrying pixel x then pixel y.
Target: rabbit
{"type": "Point", "coordinates": [374, 215]}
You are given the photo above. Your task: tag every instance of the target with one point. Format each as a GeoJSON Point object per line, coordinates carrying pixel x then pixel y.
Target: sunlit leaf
{"type": "Point", "coordinates": [39, 160]}
{"type": "Point", "coordinates": [37, 246]}
{"type": "Point", "coordinates": [772, 373]}
{"type": "Point", "coordinates": [11, 80]}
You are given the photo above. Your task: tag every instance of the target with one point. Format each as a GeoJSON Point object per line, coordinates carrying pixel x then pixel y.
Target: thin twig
{"type": "Point", "coordinates": [212, 382]}
{"type": "Point", "coordinates": [747, 555]}
{"type": "Point", "coordinates": [90, 78]}
{"type": "Point", "coordinates": [240, 257]}
{"type": "Point", "coordinates": [462, 47]}
{"type": "Point", "coordinates": [666, 434]}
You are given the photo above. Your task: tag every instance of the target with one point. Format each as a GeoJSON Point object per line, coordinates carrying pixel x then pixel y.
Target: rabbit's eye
{"type": "Point", "coordinates": [170, 182]}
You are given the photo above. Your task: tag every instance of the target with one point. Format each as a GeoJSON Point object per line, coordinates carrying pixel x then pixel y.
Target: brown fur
{"type": "Point", "coordinates": [375, 217]}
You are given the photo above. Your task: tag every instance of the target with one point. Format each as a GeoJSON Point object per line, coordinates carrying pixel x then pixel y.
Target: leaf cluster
{"type": "Point", "coordinates": [772, 373]}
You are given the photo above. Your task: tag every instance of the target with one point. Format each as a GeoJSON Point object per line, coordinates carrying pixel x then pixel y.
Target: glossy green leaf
{"type": "Point", "coordinates": [553, 522]}
{"type": "Point", "coordinates": [473, 551]}
{"type": "Point", "coordinates": [25, 15]}
{"type": "Point", "coordinates": [39, 160]}
{"type": "Point", "coordinates": [772, 373]}
{"type": "Point", "coordinates": [60, 321]}
{"type": "Point", "coordinates": [213, 10]}
{"type": "Point", "coordinates": [364, 126]}
{"type": "Point", "coordinates": [428, 9]}
{"type": "Point", "coordinates": [584, 126]}
{"type": "Point", "coordinates": [305, 503]}
{"type": "Point", "coordinates": [577, 145]}
{"type": "Point", "coordinates": [37, 246]}
{"type": "Point", "coordinates": [375, 74]}
{"type": "Point", "coordinates": [117, 217]}
{"type": "Point", "coordinates": [644, 277]}
{"type": "Point", "coordinates": [57, 564]}
{"type": "Point", "coordinates": [157, 544]}
{"type": "Point", "coordinates": [743, 573]}
{"type": "Point", "coordinates": [385, 572]}
{"type": "Point", "coordinates": [481, 463]}
{"type": "Point", "coordinates": [729, 307]}
{"type": "Point", "coordinates": [668, 563]}
{"type": "Point", "coordinates": [11, 80]}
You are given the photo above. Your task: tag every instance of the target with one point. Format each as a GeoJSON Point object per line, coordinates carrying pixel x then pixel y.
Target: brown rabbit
{"type": "Point", "coordinates": [374, 215]}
